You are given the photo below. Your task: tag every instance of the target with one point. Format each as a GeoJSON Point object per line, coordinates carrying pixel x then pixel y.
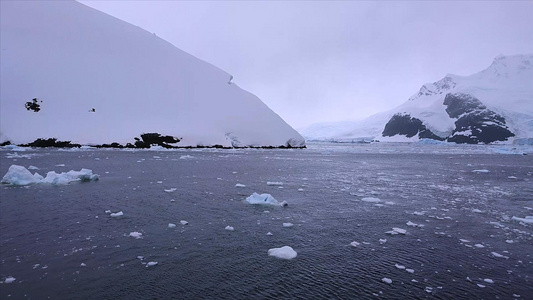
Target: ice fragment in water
{"type": "Point", "coordinates": [371, 199]}
{"type": "Point", "coordinates": [354, 244]}
{"type": "Point", "coordinates": [183, 222]}
{"type": "Point", "coordinates": [10, 279]}
{"type": "Point", "coordinates": [117, 214]}
{"type": "Point", "coordinates": [152, 263]}
{"type": "Point", "coordinates": [240, 185]}
{"type": "Point", "coordinates": [230, 228]}
{"type": "Point", "coordinates": [265, 199]}
{"type": "Point", "coordinates": [136, 234]}
{"type": "Point", "coordinates": [287, 225]}
{"type": "Point", "coordinates": [386, 280]}
{"type": "Point", "coordinates": [285, 252]}
{"type": "Point", "coordinates": [171, 225]}
{"type": "Point", "coordinates": [275, 183]}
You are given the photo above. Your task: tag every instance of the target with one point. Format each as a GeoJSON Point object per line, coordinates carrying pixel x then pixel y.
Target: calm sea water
{"type": "Point", "coordinates": [466, 244]}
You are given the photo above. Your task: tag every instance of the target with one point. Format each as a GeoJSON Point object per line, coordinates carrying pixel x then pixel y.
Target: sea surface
{"type": "Point", "coordinates": [456, 204]}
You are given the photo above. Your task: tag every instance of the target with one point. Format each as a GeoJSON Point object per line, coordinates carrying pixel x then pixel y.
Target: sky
{"type": "Point", "coordinates": [325, 61]}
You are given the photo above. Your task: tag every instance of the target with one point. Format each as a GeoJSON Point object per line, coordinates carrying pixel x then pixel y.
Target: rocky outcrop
{"type": "Point", "coordinates": [404, 124]}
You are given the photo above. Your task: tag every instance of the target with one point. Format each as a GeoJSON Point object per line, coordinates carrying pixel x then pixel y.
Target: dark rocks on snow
{"type": "Point", "coordinates": [404, 124]}
{"type": "Point", "coordinates": [475, 124]}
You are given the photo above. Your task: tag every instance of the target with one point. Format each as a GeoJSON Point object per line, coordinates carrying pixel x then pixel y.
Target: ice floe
{"type": "Point", "coordinates": [136, 234]}
{"type": "Point", "coordinates": [386, 280]}
{"type": "Point", "coordinates": [170, 190]}
{"type": "Point", "coordinates": [409, 223]}
{"type": "Point", "coordinates": [498, 255]}
{"type": "Point", "coordinates": [229, 228]}
{"type": "Point", "coordinates": [274, 183]}
{"type": "Point", "coordinates": [9, 279]}
{"type": "Point", "coordinates": [19, 175]}
{"type": "Point", "coordinates": [382, 241]}
{"type": "Point", "coordinates": [527, 219]}
{"type": "Point", "coordinates": [396, 230]}
{"type": "Point", "coordinates": [183, 222]}
{"type": "Point", "coordinates": [33, 168]}
{"type": "Point", "coordinates": [354, 244]}
{"type": "Point", "coordinates": [285, 252]}
{"type": "Point", "coordinates": [265, 199]}
{"type": "Point", "coordinates": [171, 225]}
{"type": "Point", "coordinates": [481, 171]}
{"type": "Point", "coordinates": [287, 225]}
{"type": "Point", "coordinates": [371, 199]}
{"type": "Point", "coordinates": [186, 157]}
{"type": "Point", "coordinates": [240, 185]}
{"type": "Point", "coordinates": [399, 267]}
{"type": "Point", "coordinates": [117, 214]}
{"type": "Point", "coordinates": [151, 264]}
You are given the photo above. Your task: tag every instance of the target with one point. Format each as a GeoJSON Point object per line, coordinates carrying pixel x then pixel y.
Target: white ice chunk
{"type": "Point", "coordinates": [240, 185]}
{"type": "Point", "coordinates": [481, 171]}
{"type": "Point", "coordinates": [354, 244]}
{"type": "Point", "coordinates": [496, 254]}
{"type": "Point", "coordinates": [487, 280]}
{"type": "Point", "coordinates": [33, 168]}
{"type": "Point", "coordinates": [371, 199]}
{"type": "Point", "coordinates": [171, 225]}
{"type": "Point", "coordinates": [83, 265]}
{"type": "Point", "coordinates": [265, 199]}
{"type": "Point", "coordinates": [410, 270]}
{"type": "Point", "coordinates": [528, 219]}
{"type": "Point", "coordinates": [479, 246]}
{"type": "Point", "coordinates": [386, 280]}
{"type": "Point", "coordinates": [186, 157]}
{"type": "Point", "coordinates": [183, 222]}
{"type": "Point", "coordinates": [136, 234]}
{"type": "Point", "coordinates": [10, 279]}
{"type": "Point", "coordinates": [230, 228]}
{"type": "Point", "coordinates": [18, 175]}
{"type": "Point", "coordinates": [285, 252]}
{"type": "Point", "coordinates": [287, 225]}
{"type": "Point", "coordinates": [382, 241]}
{"type": "Point", "coordinates": [269, 233]}
{"type": "Point", "coordinates": [170, 190]}
{"type": "Point", "coordinates": [276, 183]}
{"type": "Point", "coordinates": [117, 214]}
{"type": "Point", "coordinates": [399, 267]}
{"type": "Point", "coordinates": [150, 264]}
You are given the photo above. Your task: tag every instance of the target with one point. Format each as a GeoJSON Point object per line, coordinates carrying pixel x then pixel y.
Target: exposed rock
{"type": "Point", "coordinates": [404, 124]}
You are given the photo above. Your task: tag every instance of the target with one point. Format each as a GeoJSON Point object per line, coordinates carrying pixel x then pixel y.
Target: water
{"type": "Point", "coordinates": [47, 232]}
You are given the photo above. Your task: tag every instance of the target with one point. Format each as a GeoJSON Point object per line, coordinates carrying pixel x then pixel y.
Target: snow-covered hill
{"type": "Point", "coordinates": [494, 105]}
{"type": "Point", "coordinates": [98, 80]}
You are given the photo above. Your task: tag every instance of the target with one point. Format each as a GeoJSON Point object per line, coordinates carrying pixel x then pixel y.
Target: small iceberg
{"type": "Point", "coordinates": [117, 214]}
{"type": "Point", "coordinates": [264, 199]}
{"type": "Point", "coordinates": [527, 220]}
{"type": "Point", "coordinates": [136, 234]}
{"type": "Point", "coordinates": [284, 252]}
{"type": "Point", "coordinates": [18, 175]}
{"type": "Point", "coordinates": [229, 228]}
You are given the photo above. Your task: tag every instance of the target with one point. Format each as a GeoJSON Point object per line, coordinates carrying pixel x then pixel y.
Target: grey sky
{"type": "Point", "coordinates": [313, 61]}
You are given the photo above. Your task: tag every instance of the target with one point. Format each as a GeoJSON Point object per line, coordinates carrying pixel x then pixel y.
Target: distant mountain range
{"type": "Point", "coordinates": [73, 75]}
{"type": "Point", "coordinates": [494, 105]}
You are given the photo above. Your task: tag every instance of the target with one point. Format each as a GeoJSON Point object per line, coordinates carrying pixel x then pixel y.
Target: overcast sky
{"type": "Point", "coordinates": [313, 61]}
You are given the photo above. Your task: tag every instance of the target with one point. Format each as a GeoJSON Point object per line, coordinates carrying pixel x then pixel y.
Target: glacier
{"type": "Point", "coordinates": [70, 73]}
{"type": "Point", "coordinates": [494, 105]}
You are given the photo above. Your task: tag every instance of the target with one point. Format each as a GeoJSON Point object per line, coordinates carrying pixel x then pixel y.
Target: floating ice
{"type": "Point", "coordinates": [265, 199]}
{"type": "Point", "coordinates": [480, 285]}
{"type": "Point", "coordinates": [117, 214]}
{"type": "Point", "coordinates": [528, 219]}
{"type": "Point", "coordinates": [170, 190]}
{"type": "Point", "coordinates": [171, 225]}
{"type": "Point", "coordinates": [108, 211]}
{"type": "Point", "coordinates": [240, 185]}
{"type": "Point", "coordinates": [152, 263]}
{"type": "Point", "coordinates": [300, 190]}
{"type": "Point", "coordinates": [277, 183]}
{"type": "Point", "coordinates": [481, 171]}
{"type": "Point", "coordinates": [409, 223]}
{"type": "Point", "coordinates": [33, 168]}
{"type": "Point", "coordinates": [477, 210]}
{"type": "Point", "coordinates": [419, 213]}
{"type": "Point", "coordinates": [382, 241]}
{"type": "Point", "coordinates": [396, 230]}
{"type": "Point", "coordinates": [496, 254]}
{"type": "Point", "coordinates": [479, 246]}
{"type": "Point", "coordinates": [230, 228]}
{"type": "Point", "coordinates": [186, 157]}
{"type": "Point", "coordinates": [183, 222]}
{"type": "Point", "coordinates": [287, 225]}
{"type": "Point", "coordinates": [464, 241]}
{"type": "Point", "coordinates": [410, 270]}
{"type": "Point", "coordinates": [399, 267]}
{"type": "Point", "coordinates": [10, 279]}
{"type": "Point", "coordinates": [284, 252]}
{"type": "Point", "coordinates": [386, 280]}
{"type": "Point", "coordinates": [83, 265]}
{"type": "Point", "coordinates": [354, 244]}
{"type": "Point", "coordinates": [136, 234]}
{"type": "Point", "coordinates": [428, 289]}
{"type": "Point", "coordinates": [371, 199]}
{"type": "Point", "coordinates": [18, 175]}
{"type": "Point", "coordinates": [487, 280]}
{"type": "Point", "coordinates": [269, 233]}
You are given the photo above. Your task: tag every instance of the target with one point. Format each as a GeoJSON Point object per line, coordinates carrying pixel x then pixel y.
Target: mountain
{"type": "Point", "coordinates": [494, 105]}
{"type": "Point", "coordinates": [72, 73]}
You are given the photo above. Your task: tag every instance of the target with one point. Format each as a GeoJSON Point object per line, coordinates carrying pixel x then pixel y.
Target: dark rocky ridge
{"type": "Point", "coordinates": [404, 124]}
{"type": "Point", "coordinates": [475, 123]}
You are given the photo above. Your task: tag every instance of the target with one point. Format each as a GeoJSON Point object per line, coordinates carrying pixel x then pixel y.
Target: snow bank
{"type": "Point", "coordinates": [264, 199]}
{"type": "Point", "coordinates": [284, 252]}
{"type": "Point", "coordinates": [18, 175]}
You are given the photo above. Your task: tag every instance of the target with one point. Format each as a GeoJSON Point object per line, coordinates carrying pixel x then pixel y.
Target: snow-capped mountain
{"type": "Point", "coordinates": [494, 105]}
{"type": "Point", "coordinates": [75, 74]}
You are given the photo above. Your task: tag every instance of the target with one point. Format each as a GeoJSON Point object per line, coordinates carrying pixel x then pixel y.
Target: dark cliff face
{"type": "Point", "coordinates": [475, 124]}
{"type": "Point", "coordinates": [404, 124]}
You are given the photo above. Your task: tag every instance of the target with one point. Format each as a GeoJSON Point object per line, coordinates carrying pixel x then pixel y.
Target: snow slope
{"type": "Point", "coordinates": [75, 59]}
{"type": "Point", "coordinates": [505, 87]}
